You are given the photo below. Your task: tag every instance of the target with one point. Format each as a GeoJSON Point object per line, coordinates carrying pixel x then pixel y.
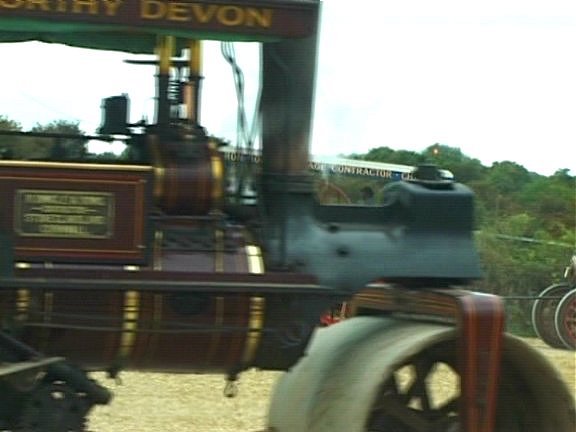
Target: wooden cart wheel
{"type": "Point", "coordinates": [543, 314]}
{"type": "Point", "coordinates": [565, 319]}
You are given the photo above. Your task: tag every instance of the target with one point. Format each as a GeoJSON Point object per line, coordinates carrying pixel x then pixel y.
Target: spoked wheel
{"type": "Point", "coordinates": [54, 407]}
{"type": "Point", "coordinates": [544, 313]}
{"type": "Point", "coordinates": [372, 374]}
{"type": "Point", "coordinates": [565, 319]}
{"type": "Point", "coordinates": [423, 394]}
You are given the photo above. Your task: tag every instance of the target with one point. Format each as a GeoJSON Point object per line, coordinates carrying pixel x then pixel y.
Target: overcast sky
{"type": "Point", "coordinates": [496, 78]}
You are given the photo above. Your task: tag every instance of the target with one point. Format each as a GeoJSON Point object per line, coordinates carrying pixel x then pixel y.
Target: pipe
{"type": "Point", "coordinates": [192, 89]}
{"type": "Point", "coordinates": [164, 50]}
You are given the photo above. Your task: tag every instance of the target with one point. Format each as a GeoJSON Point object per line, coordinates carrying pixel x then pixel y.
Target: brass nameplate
{"type": "Point", "coordinates": [64, 214]}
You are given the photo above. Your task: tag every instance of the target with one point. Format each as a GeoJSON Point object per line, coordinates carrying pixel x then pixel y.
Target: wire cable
{"type": "Point", "coordinates": [245, 136]}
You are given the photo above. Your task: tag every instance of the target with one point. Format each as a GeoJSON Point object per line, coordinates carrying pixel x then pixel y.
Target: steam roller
{"type": "Point", "coordinates": [157, 260]}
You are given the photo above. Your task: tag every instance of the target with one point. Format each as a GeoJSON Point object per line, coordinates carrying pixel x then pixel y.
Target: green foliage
{"type": "Point", "coordinates": [42, 148]}
{"type": "Point", "coordinates": [552, 200]}
{"type": "Point", "coordinates": [518, 266]}
{"type": "Point", "coordinates": [7, 141]}
{"type": "Point", "coordinates": [10, 125]}
{"type": "Point", "coordinates": [61, 148]}
{"type": "Point", "coordinates": [386, 154]}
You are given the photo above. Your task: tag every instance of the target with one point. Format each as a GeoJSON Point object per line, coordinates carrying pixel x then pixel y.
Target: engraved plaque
{"type": "Point", "coordinates": [61, 213]}
{"type": "Point", "coordinates": [78, 213]}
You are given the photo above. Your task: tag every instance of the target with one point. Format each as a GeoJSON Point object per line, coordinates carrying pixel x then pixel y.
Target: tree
{"type": "Point", "coordinates": [8, 142]}
{"type": "Point", "coordinates": [22, 147]}
{"type": "Point", "coordinates": [464, 168]}
{"type": "Point", "coordinates": [61, 148]}
{"type": "Point", "coordinates": [9, 125]}
{"type": "Point", "coordinates": [500, 187]}
{"type": "Point", "coordinates": [387, 155]}
{"type": "Point", "coordinates": [552, 201]}
{"type": "Point", "coordinates": [508, 177]}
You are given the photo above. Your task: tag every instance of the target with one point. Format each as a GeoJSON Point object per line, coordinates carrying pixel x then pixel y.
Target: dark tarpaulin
{"type": "Point", "coordinates": [110, 41]}
{"type": "Point", "coordinates": [101, 37]}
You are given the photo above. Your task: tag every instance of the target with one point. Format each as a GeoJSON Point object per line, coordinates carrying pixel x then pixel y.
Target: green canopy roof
{"type": "Point", "coordinates": [133, 25]}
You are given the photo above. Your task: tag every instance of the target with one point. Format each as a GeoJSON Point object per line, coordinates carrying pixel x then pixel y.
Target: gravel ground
{"type": "Point", "coordinates": [149, 402]}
